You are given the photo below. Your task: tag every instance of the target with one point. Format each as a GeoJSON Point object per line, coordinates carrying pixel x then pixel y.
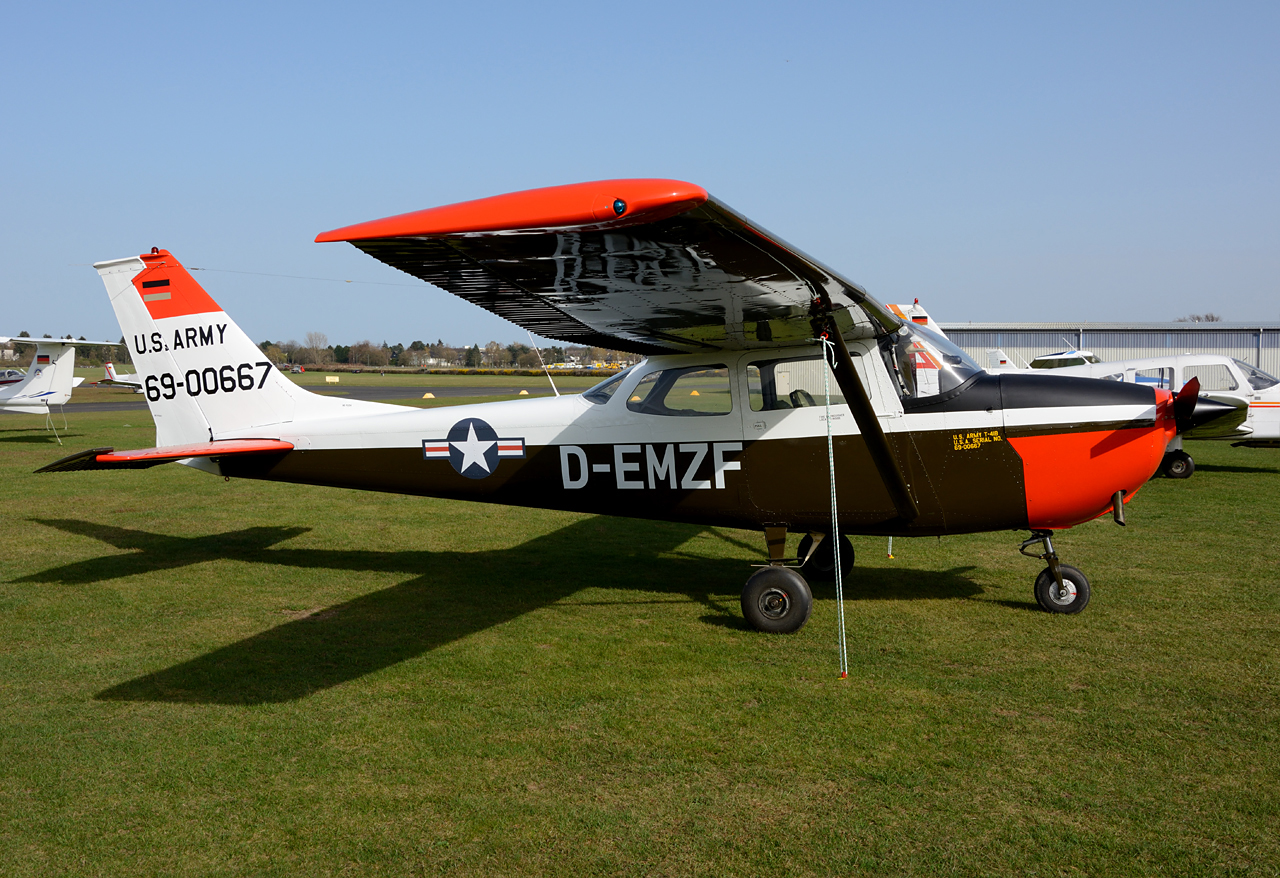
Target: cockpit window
{"type": "Point", "coordinates": [692, 391]}
{"type": "Point", "coordinates": [604, 391]}
{"type": "Point", "coordinates": [1257, 379]}
{"type": "Point", "coordinates": [924, 364]}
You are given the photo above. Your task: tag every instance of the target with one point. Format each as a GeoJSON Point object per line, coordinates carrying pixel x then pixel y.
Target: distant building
{"type": "Point", "coordinates": [1255, 343]}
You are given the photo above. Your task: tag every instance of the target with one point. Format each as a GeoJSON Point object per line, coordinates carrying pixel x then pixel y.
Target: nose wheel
{"type": "Point", "coordinates": [1177, 465]}
{"type": "Point", "coordinates": [1060, 588]}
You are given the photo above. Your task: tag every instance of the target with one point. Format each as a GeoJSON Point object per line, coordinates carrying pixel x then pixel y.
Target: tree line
{"type": "Point", "coordinates": [87, 355]}
{"type": "Point", "coordinates": [316, 351]}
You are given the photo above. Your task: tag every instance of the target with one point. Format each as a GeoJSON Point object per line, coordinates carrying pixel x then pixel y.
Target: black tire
{"type": "Point", "coordinates": [822, 566]}
{"type": "Point", "coordinates": [1077, 587]}
{"type": "Point", "coordinates": [776, 600]}
{"type": "Point", "coordinates": [1177, 465]}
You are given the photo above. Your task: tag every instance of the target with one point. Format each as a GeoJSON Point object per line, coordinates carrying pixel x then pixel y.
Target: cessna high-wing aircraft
{"type": "Point", "coordinates": [47, 383]}
{"type": "Point", "coordinates": [725, 423]}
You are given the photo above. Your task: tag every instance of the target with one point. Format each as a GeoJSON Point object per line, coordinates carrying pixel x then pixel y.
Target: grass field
{"type": "Point", "coordinates": [231, 678]}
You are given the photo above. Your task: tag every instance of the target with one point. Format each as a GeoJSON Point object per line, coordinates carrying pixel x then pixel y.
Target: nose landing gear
{"type": "Point", "coordinates": [1060, 588]}
{"type": "Point", "coordinates": [1177, 465]}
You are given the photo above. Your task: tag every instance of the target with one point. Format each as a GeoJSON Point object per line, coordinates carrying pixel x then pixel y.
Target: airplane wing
{"type": "Point", "coordinates": [109, 458]}
{"type": "Point", "coordinates": [647, 266]}
{"type": "Point", "coordinates": [66, 342]}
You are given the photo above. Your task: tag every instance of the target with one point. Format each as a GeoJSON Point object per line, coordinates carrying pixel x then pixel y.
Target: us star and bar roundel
{"type": "Point", "coordinates": [473, 448]}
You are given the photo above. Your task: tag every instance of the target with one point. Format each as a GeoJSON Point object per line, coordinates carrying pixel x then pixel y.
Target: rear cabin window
{"type": "Point", "coordinates": [691, 392]}
{"type": "Point", "coordinates": [1213, 376]}
{"type": "Point", "coordinates": [779, 385]}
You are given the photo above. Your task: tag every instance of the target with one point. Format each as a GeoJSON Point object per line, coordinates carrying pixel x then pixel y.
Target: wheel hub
{"type": "Point", "coordinates": [774, 603]}
{"type": "Point", "coordinates": [1063, 595]}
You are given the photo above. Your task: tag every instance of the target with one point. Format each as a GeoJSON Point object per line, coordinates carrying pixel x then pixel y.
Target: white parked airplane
{"type": "Point", "coordinates": [1225, 379]}
{"type": "Point", "coordinates": [49, 380]}
{"type": "Point", "coordinates": [119, 379]}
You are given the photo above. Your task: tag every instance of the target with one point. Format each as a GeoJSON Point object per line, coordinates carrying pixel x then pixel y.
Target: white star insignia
{"type": "Point", "coordinates": [473, 450]}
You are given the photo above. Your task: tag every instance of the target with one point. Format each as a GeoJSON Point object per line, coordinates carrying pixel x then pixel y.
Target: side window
{"type": "Point", "coordinates": [776, 385]}
{"type": "Point", "coordinates": [1212, 377]}
{"type": "Point", "coordinates": [1159, 378]}
{"type": "Point", "coordinates": [694, 391]}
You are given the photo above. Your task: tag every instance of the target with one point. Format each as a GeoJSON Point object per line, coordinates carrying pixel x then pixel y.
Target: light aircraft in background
{"type": "Point", "coordinates": [48, 382]}
{"type": "Point", "coordinates": [118, 379]}
{"type": "Point", "coordinates": [725, 423]}
{"type": "Point", "coordinates": [1254, 394]}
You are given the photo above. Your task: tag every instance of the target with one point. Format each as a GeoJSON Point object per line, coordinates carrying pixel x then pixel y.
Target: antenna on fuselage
{"type": "Point", "coordinates": [543, 362]}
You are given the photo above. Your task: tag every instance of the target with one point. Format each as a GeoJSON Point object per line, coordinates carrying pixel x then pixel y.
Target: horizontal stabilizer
{"type": "Point", "coordinates": [109, 458]}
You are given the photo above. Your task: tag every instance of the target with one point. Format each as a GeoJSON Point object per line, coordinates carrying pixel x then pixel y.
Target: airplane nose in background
{"type": "Point", "coordinates": [1216, 415]}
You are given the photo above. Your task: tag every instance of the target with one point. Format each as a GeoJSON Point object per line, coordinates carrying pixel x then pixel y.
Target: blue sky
{"type": "Point", "coordinates": [1020, 161]}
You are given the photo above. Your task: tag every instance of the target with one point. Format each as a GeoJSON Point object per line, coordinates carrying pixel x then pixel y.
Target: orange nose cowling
{"type": "Point", "coordinates": [1070, 478]}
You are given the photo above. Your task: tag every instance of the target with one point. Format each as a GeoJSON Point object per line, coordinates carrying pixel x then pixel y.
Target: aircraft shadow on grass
{"type": "Point", "coordinates": [450, 595]}
{"type": "Point", "coordinates": [37, 436]}
{"type": "Point", "coordinates": [1219, 468]}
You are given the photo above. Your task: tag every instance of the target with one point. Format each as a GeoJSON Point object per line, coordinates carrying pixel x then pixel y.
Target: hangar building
{"type": "Point", "coordinates": [1257, 344]}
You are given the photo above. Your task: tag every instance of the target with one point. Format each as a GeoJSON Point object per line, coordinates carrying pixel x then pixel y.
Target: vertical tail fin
{"type": "Point", "coordinates": [202, 375]}
{"type": "Point", "coordinates": [48, 381]}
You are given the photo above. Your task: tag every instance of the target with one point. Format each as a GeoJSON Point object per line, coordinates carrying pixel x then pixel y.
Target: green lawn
{"type": "Point", "coordinates": [231, 678]}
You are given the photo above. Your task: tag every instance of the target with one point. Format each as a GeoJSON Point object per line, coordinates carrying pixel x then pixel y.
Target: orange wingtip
{"type": "Point", "coordinates": [603, 202]}
{"type": "Point", "coordinates": [142, 458]}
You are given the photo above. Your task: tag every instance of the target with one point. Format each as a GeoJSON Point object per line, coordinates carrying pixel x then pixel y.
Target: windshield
{"type": "Point", "coordinates": [925, 364]}
{"type": "Point", "coordinates": [604, 391]}
{"type": "Point", "coordinates": [1257, 379]}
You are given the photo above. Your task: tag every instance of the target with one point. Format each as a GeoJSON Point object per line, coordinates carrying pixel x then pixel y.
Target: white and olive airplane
{"type": "Point", "coordinates": [726, 423]}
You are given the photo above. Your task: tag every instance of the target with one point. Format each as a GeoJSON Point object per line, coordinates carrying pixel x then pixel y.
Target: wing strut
{"type": "Point", "coordinates": [865, 415]}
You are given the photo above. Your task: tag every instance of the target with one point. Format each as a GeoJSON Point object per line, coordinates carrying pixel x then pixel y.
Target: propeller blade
{"type": "Point", "coordinates": [1191, 412]}
{"type": "Point", "coordinates": [1184, 405]}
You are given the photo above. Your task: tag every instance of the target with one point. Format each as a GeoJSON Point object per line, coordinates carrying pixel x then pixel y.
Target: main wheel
{"type": "Point", "coordinates": [1177, 465]}
{"type": "Point", "coordinates": [822, 566]}
{"type": "Point", "coordinates": [1071, 598]}
{"type": "Point", "coordinates": [777, 600]}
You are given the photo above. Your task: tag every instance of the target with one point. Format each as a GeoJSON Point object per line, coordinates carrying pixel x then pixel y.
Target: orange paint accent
{"type": "Point", "coordinates": [1070, 478]}
{"type": "Point", "coordinates": [579, 204]}
{"type": "Point", "coordinates": [179, 297]}
{"type": "Point", "coordinates": [201, 449]}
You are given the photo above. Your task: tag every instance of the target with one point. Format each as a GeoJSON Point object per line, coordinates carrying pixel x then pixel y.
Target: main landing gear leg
{"type": "Point", "coordinates": [776, 598]}
{"type": "Point", "coordinates": [1060, 588]}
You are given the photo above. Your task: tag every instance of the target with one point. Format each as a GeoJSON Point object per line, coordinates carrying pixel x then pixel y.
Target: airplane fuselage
{"type": "Point", "coordinates": [988, 457]}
